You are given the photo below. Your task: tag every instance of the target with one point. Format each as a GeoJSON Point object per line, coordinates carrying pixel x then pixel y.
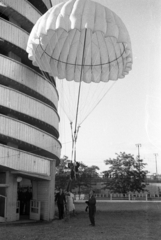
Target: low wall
{"type": "Point", "coordinates": [121, 205]}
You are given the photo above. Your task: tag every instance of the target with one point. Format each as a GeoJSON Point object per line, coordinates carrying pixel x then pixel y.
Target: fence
{"type": "Point", "coordinates": [117, 196]}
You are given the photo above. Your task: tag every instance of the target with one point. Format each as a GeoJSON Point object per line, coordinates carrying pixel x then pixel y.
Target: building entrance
{"type": "Point", "coordinates": [2, 208]}
{"type": "Point", "coordinates": [24, 193]}
{"type": "Point", "coordinates": [2, 196]}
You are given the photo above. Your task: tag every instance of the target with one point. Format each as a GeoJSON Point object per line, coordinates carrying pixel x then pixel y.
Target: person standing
{"type": "Point", "coordinates": [60, 200]}
{"type": "Point", "coordinates": [70, 203]}
{"type": "Point", "coordinates": [92, 207]}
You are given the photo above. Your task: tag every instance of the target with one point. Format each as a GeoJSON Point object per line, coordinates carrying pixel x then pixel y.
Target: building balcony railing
{"type": "Point", "coordinates": [31, 82]}
{"type": "Point", "coordinates": [42, 5]}
{"type": "Point", "coordinates": [13, 34]}
{"type": "Point", "coordinates": [16, 159]}
{"type": "Point", "coordinates": [22, 7]}
{"type": "Point", "coordinates": [28, 135]}
{"type": "Point", "coordinates": [30, 107]}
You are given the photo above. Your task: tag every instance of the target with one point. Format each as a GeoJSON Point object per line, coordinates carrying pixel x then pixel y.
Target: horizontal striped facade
{"type": "Point", "coordinates": [27, 78]}
{"type": "Point", "coordinates": [29, 120]}
{"type": "Point", "coordinates": [29, 106]}
{"type": "Point", "coordinates": [23, 8]}
{"type": "Point", "coordinates": [22, 161]}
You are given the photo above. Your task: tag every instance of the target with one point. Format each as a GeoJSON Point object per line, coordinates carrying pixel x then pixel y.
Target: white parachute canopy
{"type": "Point", "coordinates": [82, 44]}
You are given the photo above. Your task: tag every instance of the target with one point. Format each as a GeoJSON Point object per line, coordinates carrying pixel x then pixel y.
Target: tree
{"type": "Point", "coordinates": [62, 173]}
{"type": "Point", "coordinates": [92, 171]}
{"type": "Point", "coordinates": [62, 167]}
{"type": "Point", "coordinates": [88, 179]}
{"type": "Point", "coordinates": [126, 174]}
{"type": "Point", "coordinates": [84, 180]}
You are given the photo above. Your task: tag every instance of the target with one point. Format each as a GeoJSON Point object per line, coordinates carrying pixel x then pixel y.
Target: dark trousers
{"type": "Point", "coordinates": [92, 212]}
{"type": "Point", "coordinates": [61, 210]}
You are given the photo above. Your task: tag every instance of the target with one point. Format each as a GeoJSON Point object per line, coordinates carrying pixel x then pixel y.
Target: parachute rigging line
{"type": "Point", "coordinates": [62, 106]}
{"type": "Point", "coordinates": [98, 103]}
{"type": "Point", "coordinates": [47, 77]}
{"type": "Point", "coordinates": [76, 130]}
{"type": "Point", "coordinates": [80, 81]}
{"type": "Point", "coordinates": [72, 139]}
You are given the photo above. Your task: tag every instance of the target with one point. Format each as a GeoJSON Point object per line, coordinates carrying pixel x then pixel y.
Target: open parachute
{"type": "Point", "coordinates": [83, 45]}
{"type": "Point", "coordinates": [81, 40]}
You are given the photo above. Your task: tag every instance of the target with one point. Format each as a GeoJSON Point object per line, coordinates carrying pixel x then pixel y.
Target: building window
{"type": "Point", "coordinates": [2, 177]}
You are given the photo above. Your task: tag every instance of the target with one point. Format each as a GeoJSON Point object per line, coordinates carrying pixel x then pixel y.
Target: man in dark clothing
{"type": "Point", "coordinates": [60, 200]}
{"type": "Point", "coordinates": [92, 208]}
{"type": "Point", "coordinates": [74, 169]}
{"type": "Point", "coordinates": [86, 209]}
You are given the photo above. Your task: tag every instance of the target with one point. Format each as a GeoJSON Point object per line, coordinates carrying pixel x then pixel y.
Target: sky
{"type": "Point", "coordinates": [130, 113]}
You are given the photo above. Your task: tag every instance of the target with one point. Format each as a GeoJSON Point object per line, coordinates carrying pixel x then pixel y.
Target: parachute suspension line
{"type": "Point", "coordinates": [64, 99]}
{"type": "Point", "coordinates": [72, 139]}
{"type": "Point", "coordinates": [47, 77]}
{"type": "Point", "coordinates": [98, 102]}
{"type": "Point", "coordinates": [80, 83]}
{"type": "Point", "coordinates": [76, 129]}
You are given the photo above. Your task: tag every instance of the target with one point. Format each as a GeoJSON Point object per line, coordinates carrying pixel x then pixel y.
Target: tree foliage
{"type": "Point", "coordinates": [126, 174]}
{"type": "Point", "coordinates": [62, 173]}
{"type": "Point", "coordinates": [84, 180]}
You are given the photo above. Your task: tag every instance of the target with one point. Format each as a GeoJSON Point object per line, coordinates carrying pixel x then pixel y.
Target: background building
{"type": "Point", "coordinates": [29, 146]}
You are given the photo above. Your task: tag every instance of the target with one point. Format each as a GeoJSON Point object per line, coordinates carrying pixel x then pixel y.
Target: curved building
{"type": "Point", "coordinates": [29, 122]}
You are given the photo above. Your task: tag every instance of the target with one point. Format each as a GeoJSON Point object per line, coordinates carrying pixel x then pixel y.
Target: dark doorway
{"type": "Point", "coordinates": [24, 197]}
{"type": "Point", "coordinates": [2, 206]}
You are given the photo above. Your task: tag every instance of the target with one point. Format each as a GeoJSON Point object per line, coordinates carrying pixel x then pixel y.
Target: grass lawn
{"type": "Point", "coordinates": [114, 221]}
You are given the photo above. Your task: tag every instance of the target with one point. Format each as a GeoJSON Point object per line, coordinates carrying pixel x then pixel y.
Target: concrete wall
{"type": "Point", "coordinates": [11, 193]}
{"type": "Point", "coordinates": [43, 191]}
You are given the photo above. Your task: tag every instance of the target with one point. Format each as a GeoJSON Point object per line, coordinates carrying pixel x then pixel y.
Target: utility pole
{"type": "Point", "coordinates": [138, 146]}
{"type": "Point", "coordinates": [156, 154]}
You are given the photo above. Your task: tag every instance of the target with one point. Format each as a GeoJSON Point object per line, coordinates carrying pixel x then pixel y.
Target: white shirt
{"type": "Point", "coordinates": [70, 203]}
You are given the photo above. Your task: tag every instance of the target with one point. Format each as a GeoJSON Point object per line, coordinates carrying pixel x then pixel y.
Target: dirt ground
{"type": "Point", "coordinates": [113, 222]}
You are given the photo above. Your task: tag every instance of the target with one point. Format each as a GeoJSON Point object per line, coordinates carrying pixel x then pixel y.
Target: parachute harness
{"type": "Point", "coordinates": [74, 141]}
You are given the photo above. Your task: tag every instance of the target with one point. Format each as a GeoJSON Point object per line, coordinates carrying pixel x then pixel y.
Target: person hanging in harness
{"type": "Point", "coordinates": [74, 172]}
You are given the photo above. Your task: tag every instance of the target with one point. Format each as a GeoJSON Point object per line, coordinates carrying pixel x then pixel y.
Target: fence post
{"type": "Point", "coordinates": [146, 197]}
{"type": "Point", "coordinates": [129, 197]}
{"type": "Point", "coordinates": [110, 196]}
